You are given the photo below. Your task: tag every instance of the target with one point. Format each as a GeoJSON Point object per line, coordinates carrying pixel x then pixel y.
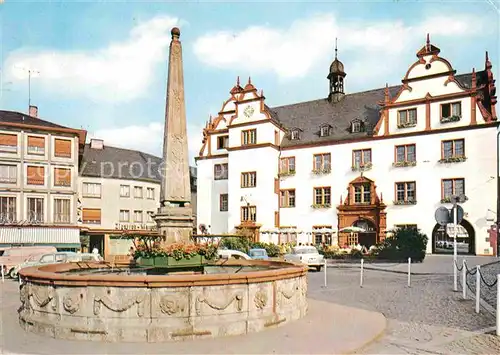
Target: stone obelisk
{"type": "Point", "coordinates": [175, 215]}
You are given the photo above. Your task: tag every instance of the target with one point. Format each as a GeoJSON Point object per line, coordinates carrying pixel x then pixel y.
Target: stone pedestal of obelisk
{"type": "Point", "coordinates": [175, 215]}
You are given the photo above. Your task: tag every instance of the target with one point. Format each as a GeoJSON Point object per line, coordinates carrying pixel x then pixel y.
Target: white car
{"type": "Point", "coordinates": [56, 258]}
{"type": "Point", "coordinates": [232, 254]}
{"type": "Point", "coordinates": [306, 255]}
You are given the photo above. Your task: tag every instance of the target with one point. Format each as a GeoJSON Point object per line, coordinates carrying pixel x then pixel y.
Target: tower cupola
{"type": "Point", "coordinates": [336, 78]}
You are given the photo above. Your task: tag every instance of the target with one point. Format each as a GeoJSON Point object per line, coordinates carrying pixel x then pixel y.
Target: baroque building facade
{"type": "Point", "coordinates": [365, 162]}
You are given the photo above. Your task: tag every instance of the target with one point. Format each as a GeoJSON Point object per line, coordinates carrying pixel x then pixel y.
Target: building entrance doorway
{"type": "Point", "coordinates": [442, 239]}
{"type": "Point", "coordinates": [369, 236]}
{"type": "Point", "coordinates": [97, 241]}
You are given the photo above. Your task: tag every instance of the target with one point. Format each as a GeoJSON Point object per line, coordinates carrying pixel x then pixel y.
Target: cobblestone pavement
{"type": "Point", "coordinates": [428, 317]}
{"type": "Point", "coordinates": [489, 274]}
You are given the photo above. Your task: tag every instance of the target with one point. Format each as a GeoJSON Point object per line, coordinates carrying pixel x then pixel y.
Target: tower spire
{"type": "Point", "coordinates": [336, 50]}
{"type": "Point", "coordinates": [428, 43]}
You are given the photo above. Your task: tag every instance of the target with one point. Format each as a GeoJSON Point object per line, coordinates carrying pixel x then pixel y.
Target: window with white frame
{"type": "Point", "coordinates": [91, 189]}
{"type": "Point", "coordinates": [8, 211]}
{"type": "Point", "coordinates": [124, 190]}
{"type": "Point", "coordinates": [8, 174]}
{"type": "Point", "coordinates": [124, 215]}
{"type": "Point", "coordinates": [35, 209]}
{"type": "Point", "coordinates": [138, 191]}
{"type": "Point", "coordinates": [150, 192]}
{"type": "Point", "coordinates": [138, 216]}
{"type": "Point", "coordinates": [61, 210]}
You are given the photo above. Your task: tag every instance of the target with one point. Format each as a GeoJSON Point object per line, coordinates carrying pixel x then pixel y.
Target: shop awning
{"type": "Point", "coordinates": [59, 237]}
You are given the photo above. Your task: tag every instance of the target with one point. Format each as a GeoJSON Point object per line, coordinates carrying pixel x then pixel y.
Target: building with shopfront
{"type": "Point", "coordinates": [367, 161]}
{"type": "Point", "coordinates": [119, 191]}
{"type": "Point", "coordinates": [38, 181]}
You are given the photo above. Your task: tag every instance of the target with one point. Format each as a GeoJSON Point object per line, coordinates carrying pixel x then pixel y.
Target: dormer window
{"type": "Point", "coordinates": [356, 127]}
{"type": "Point", "coordinates": [324, 131]}
{"type": "Point", "coordinates": [294, 134]}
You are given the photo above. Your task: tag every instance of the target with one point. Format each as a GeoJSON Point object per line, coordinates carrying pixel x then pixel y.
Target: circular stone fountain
{"type": "Point", "coordinates": [87, 301]}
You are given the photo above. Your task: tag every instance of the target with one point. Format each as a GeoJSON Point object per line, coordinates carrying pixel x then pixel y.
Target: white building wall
{"type": "Point", "coordinates": [110, 203]}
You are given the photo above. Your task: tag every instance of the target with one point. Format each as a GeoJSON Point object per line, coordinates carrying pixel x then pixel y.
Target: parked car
{"type": "Point", "coordinates": [306, 255]}
{"type": "Point", "coordinates": [14, 256]}
{"type": "Point", "coordinates": [232, 254]}
{"type": "Point", "coordinates": [55, 258]}
{"type": "Point", "coordinates": [258, 254]}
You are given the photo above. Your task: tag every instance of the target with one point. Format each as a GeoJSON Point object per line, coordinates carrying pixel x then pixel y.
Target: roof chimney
{"type": "Point", "coordinates": [33, 111]}
{"type": "Point", "coordinates": [96, 144]}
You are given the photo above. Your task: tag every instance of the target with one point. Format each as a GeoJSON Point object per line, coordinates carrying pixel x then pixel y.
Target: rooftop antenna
{"type": "Point", "coordinates": [30, 72]}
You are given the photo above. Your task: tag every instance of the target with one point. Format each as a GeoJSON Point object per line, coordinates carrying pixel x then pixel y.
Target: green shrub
{"type": "Point", "coordinates": [406, 242]}
{"type": "Point", "coordinates": [235, 243]}
{"type": "Point", "coordinates": [272, 249]}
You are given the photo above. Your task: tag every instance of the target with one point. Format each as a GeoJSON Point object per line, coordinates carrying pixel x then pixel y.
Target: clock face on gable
{"type": "Point", "coordinates": [248, 112]}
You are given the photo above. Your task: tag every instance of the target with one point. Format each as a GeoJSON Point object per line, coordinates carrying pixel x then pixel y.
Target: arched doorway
{"type": "Point", "coordinates": [442, 239]}
{"type": "Point", "coordinates": [369, 236]}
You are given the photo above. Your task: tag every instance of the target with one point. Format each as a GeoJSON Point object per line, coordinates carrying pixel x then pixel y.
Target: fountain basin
{"type": "Point", "coordinates": [92, 301]}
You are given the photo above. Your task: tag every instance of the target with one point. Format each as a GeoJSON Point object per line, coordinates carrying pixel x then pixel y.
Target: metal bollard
{"type": "Point", "coordinates": [498, 305]}
{"type": "Point", "coordinates": [464, 280]}
{"type": "Point", "coordinates": [409, 272]}
{"type": "Point", "coordinates": [3, 274]}
{"type": "Point", "coordinates": [361, 275]}
{"type": "Point", "coordinates": [478, 287]}
{"type": "Point", "coordinates": [325, 266]}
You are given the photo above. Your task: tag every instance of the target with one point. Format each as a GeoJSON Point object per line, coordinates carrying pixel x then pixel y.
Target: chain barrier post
{"type": "Point", "coordinates": [478, 287]}
{"type": "Point", "coordinates": [455, 271]}
{"type": "Point", "coordinates": [361, 274]}
{"type": "Point", "coordinates": [409, 272]}
{"type": "Point", "coordinates": [325, 266]}
{"type": "Point", "coordinates": [498, 305]}
{"type": "Point", "coordinates": [464, 280]}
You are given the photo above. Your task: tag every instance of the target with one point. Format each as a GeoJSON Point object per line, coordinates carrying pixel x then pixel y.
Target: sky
{"type": "Point", "coordinates": [102, 65]}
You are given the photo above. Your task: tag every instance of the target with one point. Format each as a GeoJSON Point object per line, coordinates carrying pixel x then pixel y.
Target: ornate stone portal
{"type": "Point", "coordinates": [175, 215]}
{"type": "Point", "coordinates": [362, 205]}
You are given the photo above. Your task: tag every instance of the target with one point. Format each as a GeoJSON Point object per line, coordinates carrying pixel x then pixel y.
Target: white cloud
{"type": "Point", "coordinates": [147, 138]}
{"type": "Point", "coordinates": [293, 52]}
{"type": "Point", "coordinates": [119, 72]}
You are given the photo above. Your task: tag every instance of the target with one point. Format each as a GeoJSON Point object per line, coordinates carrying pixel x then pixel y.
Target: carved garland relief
{"type": "Point", "coordinates": [40, 295]}
{"type": "Point", "coordinates": [237, 299]}
{"type": "Point", "coordinates": [119, 306]}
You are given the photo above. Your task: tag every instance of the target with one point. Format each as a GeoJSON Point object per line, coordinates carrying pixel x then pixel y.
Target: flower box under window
{"type": "Point", "coordinates": [287, 173]}
{"type": "Point", "coordinates": [362, 167]}
{"type": "Point", "coordinates": [321, 205]}
{"type": "Point", "coordinates": [454, 118]}
{"type": "Point", "coordinates": [447, 199]}
{"type": "Point", "coordinates": [404, 163]}
{"type": "Point", "coordinates": [322, 171]}
{"type": "Point", "coordinates": [455, 159]}
{"type": "Point", "coordinates": [407, 124]}
{"type": "Point", "coordinates": [403, 203]}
